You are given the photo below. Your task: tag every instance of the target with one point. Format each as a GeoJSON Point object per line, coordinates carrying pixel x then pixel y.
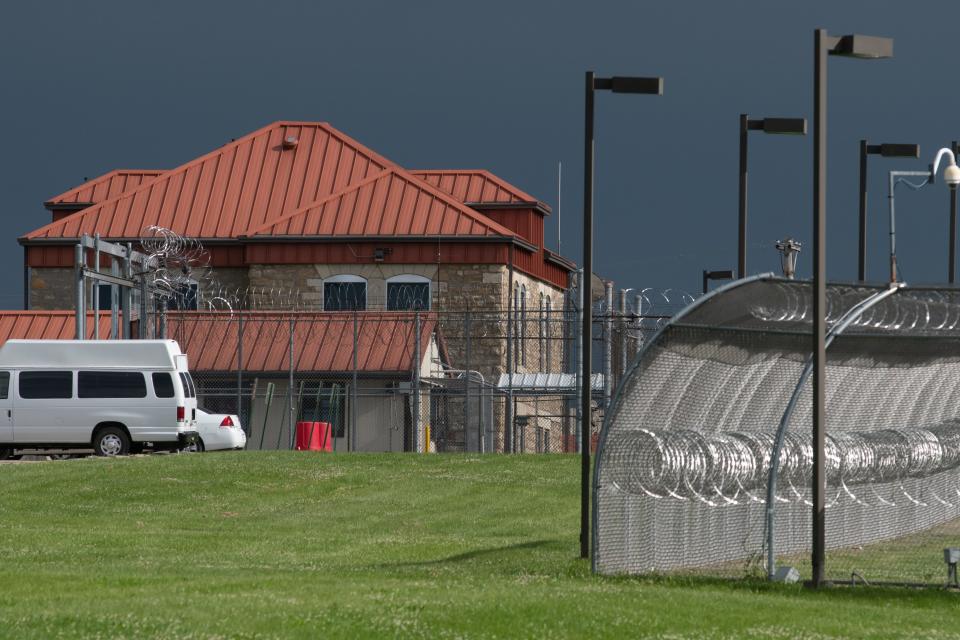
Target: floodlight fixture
{"type": "Point", "coordinates": [726, 274]}
{"type": "Point", "coordinates": [776, 126]}
{"type": "Point", "coordinates": [884, 150]}
{"type": "Point", "coordinates": [859, 46]}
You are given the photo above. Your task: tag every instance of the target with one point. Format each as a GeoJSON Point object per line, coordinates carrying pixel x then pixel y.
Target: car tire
{"type": "Point", "coordinates": [196, 447]}
{"type": "Point", "coordinates": [111, 442]}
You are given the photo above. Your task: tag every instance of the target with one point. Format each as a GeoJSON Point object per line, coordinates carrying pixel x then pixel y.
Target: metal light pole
{"type": "Point", "coordinates": [886, 151]}
{"type": "Point", "coordinates": [823, 45]}
{"type": "Point", "coordinates": [616, 84]}
{"type": "Point", "coordinates": [788, 126]}
{"type": "Point", "coordinates": [952, 266]}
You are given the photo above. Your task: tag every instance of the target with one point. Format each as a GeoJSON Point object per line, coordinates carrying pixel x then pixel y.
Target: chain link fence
{"type": "Point", "coordinates": [707, 459]}
{"type": "Point", "coordinates": [441, 381]}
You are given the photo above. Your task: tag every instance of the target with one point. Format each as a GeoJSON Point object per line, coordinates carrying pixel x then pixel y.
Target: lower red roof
{"type": "Point", "coordinates": [322, 342]}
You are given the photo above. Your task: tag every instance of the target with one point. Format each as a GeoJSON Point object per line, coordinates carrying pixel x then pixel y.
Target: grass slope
{"type": "Point", "coordinates": [345, 546]}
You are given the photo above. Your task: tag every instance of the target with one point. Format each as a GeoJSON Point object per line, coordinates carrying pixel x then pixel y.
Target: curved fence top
{"type": "Point", "coordinates": [691, 430]}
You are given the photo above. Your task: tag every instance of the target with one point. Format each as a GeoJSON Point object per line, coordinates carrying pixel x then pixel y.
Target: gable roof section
{"type": "Point", "coordinates": [477, 186]}
{"type": "Point", "coordinates": [323, 342]}
{"type": "Point", "coordinates": [103, 188]}
{"type": "Point", "coordinates": [391, 203]}
{"type": "Point", "coordinates": [245, 184]}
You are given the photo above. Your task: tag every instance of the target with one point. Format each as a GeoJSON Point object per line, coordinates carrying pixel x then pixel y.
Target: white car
{"type": "Point", "coordinates": [218, 431]}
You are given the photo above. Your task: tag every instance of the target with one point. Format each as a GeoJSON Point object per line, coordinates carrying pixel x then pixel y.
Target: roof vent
{"type": "Point", "coordinates": [290, 142]}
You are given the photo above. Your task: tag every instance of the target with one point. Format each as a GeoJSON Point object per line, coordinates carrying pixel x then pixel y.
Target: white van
{"type": "Point", "coordinates": [112, 395]}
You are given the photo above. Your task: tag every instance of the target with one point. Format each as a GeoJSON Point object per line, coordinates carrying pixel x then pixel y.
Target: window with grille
{"type": "Point", "coordinates": [345, 293]}
{"type": "Point", "coordinates": [408, 293]}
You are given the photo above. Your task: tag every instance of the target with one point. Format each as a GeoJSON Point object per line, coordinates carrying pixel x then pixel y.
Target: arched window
{"type": "Point", "coordinates": [345, 293]}
{"type": "Point", "coordinates": [408, 293]}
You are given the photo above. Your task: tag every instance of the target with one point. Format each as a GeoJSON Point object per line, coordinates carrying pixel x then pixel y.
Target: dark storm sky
{"type": "Point", "coordinates": [89, 87]}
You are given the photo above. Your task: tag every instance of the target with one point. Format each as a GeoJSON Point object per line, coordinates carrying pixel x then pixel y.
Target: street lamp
{"type": "Point", "coordinates": [726, 274]}
{"type": "Point", "coordinates": [885, 151]}
{"type": "Point", "coordinates": [783, 126]}
{"type": "Point", "coordinates": [952, 251]}
{"type": "Point", "coordinates": [951, 176]}
{"type": "Point", "coordinates": [824, 45]}
{"type": "Point", "coordinates": [616, 84]}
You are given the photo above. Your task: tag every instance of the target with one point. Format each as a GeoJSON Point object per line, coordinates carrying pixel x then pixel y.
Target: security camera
{"type": "Point", "coordinates": [951, 175]}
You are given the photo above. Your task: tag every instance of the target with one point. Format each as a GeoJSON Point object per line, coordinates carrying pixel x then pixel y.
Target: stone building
{"type": "Point", "coordinates": [302, 207]}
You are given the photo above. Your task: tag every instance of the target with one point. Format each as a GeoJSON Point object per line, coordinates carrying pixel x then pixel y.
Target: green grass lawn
{"type": "Point", "coordinates": [341, 546]}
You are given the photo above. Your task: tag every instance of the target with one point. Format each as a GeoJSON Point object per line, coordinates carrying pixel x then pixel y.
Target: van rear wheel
{"type": "Point", "coordinates": [111, 442]}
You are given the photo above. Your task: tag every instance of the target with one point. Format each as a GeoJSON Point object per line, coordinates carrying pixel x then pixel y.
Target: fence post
{"type": "Point", "coordinates": [466, 389]}
{"type": "Point", "coordinates": [163, 320]}
{"type": "Point", "coordinates": [96, 287]}
{"type": "Point", "coordinates": [607, 344]}
{"type": "Point", "coordinates": [114, 300]}
{"type": "Point", "coordinates": [578, 357]}
{"type": "Point", "coordinates": [126, 295]}
{"type": "Point", "coordinates": [352, 445]}
{"type": "Point", "coordinates": [548, 335]}
{"type": "Point", "coordinates": [143, 308]}
{"type": "Point", "coordinates": [622, 328]}
{"type": "Point", "coordinates": [416, 385]}
{"type": "Point", "coordinates": [240, 372]}
{"type": "Point", "coordinates": [290, 384]}
{"type": "Point", "coordinates": [81, 303]}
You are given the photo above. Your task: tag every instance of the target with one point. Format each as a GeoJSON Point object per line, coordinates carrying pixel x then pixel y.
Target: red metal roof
{"type": "Point", "coordinates": [44, 325]}
{"type": "Point", "coordinates": [391, 203]}
{"type": "Point", "coordinates": [105, 187]}
{"type": "Point", "coordinates": [476, 186]}
{"type": "Point", "coordinates": [245, 184]}
{"type": "Point", "coordinates": [323, 342]}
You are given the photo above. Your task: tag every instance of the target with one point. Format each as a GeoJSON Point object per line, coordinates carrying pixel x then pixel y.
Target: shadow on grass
{"type": "Point", "coordinates": [837, 591]}
{"type": "Point", "coordinates": [470, 555]}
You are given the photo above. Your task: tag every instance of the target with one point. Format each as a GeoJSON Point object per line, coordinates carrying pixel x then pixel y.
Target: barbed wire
{"type": "Point", "coordinates": [914, 310]}
{"type": "Point", "coordinates": [731, 468]}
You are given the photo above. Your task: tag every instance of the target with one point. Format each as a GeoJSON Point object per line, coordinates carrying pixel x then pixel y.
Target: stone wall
{"type": "Point", "coordinates": [308, 279]}
{"type": "Point", "coordinates": [52, 289]}
{"type": "Point", "coordinates": [481, 290]}
{"type": "Point", "coordinates": [227, 282]}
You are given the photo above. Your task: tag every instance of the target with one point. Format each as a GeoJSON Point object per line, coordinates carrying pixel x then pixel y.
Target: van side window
{"type": "Point", "coordinates": [163, 385]}
{"type": "Point", "coordinates": [111, 384]}
{"type": "Point", "coordinates": [46, 384]}
{"type": "Point", "coordinates": [4, 385]}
